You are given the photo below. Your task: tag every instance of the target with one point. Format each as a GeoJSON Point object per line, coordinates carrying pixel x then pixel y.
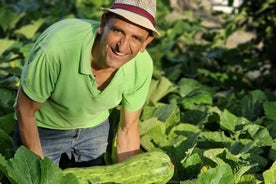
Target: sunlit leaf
{"type": "Point", "coordinates": [270, 175]}
{"type": "Point", "coordinates": [159, 89]}
{"type": "Point", "coordinates": [231, 122]}
{"type": "Point", "coordinates": [29, 30]}
{"type": "Point", "coordinates": [217, 175]}
{"type": "Point", "coordinates": [259, 134]}
{"type": "Point", "coordinates": [5, 44]}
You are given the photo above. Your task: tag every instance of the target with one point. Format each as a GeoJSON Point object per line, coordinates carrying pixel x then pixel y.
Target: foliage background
{"type": "Point", "coordinates": [211, 107]}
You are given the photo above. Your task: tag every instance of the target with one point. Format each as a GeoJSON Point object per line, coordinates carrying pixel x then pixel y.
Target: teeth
{"type": "Point", "coordinates": [120, 54]}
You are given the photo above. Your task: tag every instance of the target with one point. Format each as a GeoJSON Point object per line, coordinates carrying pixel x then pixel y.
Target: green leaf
{"type": "Point", "coordinates": [5, 44]}
{"type": "Point", "coordinates": [231, 122]}
{"type": "Point", "coordinates": [148, 124]}
{"type": "Point", "coordinates": [168, 113]}
{"type": "Point", "coordinates": [29, 30]}
{"type": "Point", "coordinates": [192, 165]}
{"type": "Point", "coordinates": [193, 93]}
{"type": "Point", "coordinates": [9, 18]}
{"type": "Point", "coordinates": [4, 167]}
{"type": "Point", "coordinates": [259, 134]}
{"type": "Point", "coordinates": [68, 179]}
{"type": "Point", "coordinates": [270, 175]}
{"type": "Point", "coordinates": [272, 151]}
{"type": "Point", "coordinates": [252, 105]}
{"type": "Point", "coordinates": [50, 173]}
{"type": "Point", "coordinates": [6, 144]}
{"type": "Point", "coordinates": [242, 147]}
{"type": "Point", "coordinates": [7, 123]}
{"type": "Point", "coordinates": [217, 139]}
{"type": "Point", "coordinates": [183, 130]}
{"type": "Point", "coordinates": [157, 134]}
{"type": "Point", "coordinates": [147, 143]}
{"type": "Point", "coordinates": [246, 179]}
{"type": "Point", "coordinates": [7, 98]}
{"type": "Point", "coordinates": [195, 117]}
{"type": "Point", "coordinates": [27, 168]}
{"type": "Point", "coordinates": [219, 156]}
{"type": "Point", "coordinates": [269, 108]}
{"type": "Point", "coordinates": [219, 175]}
{"type": "Point", "coordinates": [159, 89]}
{"type": "Point", "coordinates": [182, 147]}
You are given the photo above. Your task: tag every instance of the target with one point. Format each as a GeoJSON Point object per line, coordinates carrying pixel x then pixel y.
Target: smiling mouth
{"type": "Point", "coordinates": [118, 53]}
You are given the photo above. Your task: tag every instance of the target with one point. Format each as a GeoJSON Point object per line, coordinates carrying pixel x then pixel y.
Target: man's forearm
{"type": "Point", "coordinates": [29, 135]}
{"type": "Point", "coordinates": [25, 109]}
{"type": "Point", "coordinates": [128, 144]}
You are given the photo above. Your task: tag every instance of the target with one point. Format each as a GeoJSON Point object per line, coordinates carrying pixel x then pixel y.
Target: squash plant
{"type": "Point", "coordinates": [27, 168]}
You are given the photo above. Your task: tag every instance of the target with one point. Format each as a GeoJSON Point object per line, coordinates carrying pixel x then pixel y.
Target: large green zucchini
{"type": "Point", "coordinates": [149, 167]}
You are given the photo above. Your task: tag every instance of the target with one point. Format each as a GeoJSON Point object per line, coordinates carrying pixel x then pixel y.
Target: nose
{"type": "Point", "coordinates": [123, 45]}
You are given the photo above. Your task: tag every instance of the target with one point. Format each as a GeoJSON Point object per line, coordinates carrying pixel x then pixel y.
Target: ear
{"type": "Point", "coordinates": [146, 42]}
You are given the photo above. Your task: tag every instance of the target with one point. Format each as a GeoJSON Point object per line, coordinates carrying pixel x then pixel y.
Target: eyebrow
{"type": "Point", "coordinates": [139, 37]}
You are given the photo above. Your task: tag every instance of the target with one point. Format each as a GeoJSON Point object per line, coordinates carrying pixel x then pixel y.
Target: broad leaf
{"type": "Point", "coordinates": [270, 175]}
{"type": "Point", "coordinates": [193, 93]}
{"type": "Point", "coordinates": [7, 123]}
{"type": "Point", "coordinates": [5, 44]}
{"type": "Point", "coordinates": [218, 175]}
{"type": "Point", "coordinates": [148, 124]}
{"type": "Point", "coordinates": [27, 168]}
{"type": "Point", "coordinates": [215, 139]}
{"type": "Point", "coordinates": [6, 144]}
{"type": "Point", "coordinates": [9, 18]}
{"type": "Point", "coordinates": [192, 165]}
{"type": "Point", "coordinates": [269, 108]}
{"type": "Point", "coordinates": [159, 89]}
{"type": "Point", "coordinates": [219, 156]}
{"type": "Point", "coordinates": [50, 173]}
{"type": "Point", "coordinates": [259, 134]}
{"type": "Point", "coordinates": [231, 122]}
{"type": "Point", "coordinates": [29, 30]}
{"type": "Point", "coordinates": [252, 105]}
{"type": "Point", "coordinates": [272, 151]}
{"type": "Point", "coordinates": [195, 117]}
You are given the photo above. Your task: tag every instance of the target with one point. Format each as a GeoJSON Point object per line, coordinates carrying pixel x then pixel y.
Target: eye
{"type": "Point", "coordinates": [116, 31]}
{"type": "Point", "coordinates": [137, 39]}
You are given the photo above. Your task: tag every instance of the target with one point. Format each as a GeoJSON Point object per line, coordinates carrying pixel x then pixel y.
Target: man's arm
{"type": "Point", "coordinates": [25, 109]}
{"type": "Point", "coordinates": [128, 137]}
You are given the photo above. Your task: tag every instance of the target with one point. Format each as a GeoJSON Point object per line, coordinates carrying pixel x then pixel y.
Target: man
{"type": "Point", "coordinates": [77, 71]}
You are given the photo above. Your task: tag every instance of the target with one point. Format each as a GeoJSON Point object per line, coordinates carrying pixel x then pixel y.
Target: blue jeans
{"type": "Point", "coordinates": [85, 145]}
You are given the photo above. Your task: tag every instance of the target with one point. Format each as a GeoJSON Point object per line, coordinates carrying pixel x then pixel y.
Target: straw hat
{"type": "Point", "coordinates": [140, 12]}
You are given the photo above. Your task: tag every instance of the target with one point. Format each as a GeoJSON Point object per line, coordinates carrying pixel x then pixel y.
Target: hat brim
{"type": "Point", "coordinates": [134, 17]}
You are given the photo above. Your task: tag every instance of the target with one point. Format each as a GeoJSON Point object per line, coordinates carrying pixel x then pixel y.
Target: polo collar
{"type": "Point", "coordinates": [85, 56]}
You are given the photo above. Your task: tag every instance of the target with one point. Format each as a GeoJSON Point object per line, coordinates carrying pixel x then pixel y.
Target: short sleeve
{"type": "Point", "coordinates": [135, 97]}
{"type": "Point", "coordinates": [39, 75]}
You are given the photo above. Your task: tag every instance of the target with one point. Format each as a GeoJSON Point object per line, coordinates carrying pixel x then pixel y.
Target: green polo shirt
{"type": "Point", "coordinates": [58, 75]}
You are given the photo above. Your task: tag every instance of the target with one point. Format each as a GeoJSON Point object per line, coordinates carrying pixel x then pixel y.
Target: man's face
{"type": "Point", "coordinates": [120, 42]}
